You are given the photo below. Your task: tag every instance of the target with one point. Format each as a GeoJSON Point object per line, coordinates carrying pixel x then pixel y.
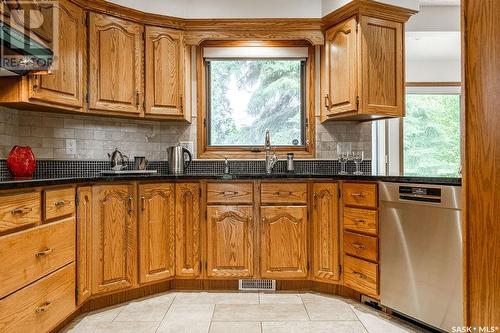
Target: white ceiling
{"type": "Point", "coordinates": [439, 2]}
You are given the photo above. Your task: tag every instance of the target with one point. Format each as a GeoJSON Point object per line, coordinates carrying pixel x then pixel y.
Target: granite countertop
{"type": "Point", "coordinates": [10, 183]}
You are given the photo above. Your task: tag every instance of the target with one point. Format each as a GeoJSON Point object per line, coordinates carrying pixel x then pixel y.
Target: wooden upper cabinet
{"type": "Point", "coordinates": [362, 70]}
{"type": "Point", "coordinates": [187, 230]}
{"type": "Point", "coordinates": [156, 232]}
{"type": "Point", "coordinates": [116, 65]}
{"type": "Point", "coordinates": [165, 74]}
{"type": "Point", "coordinates": [382, 66]}
{"type": "Point", "coordinates": [84, 244]}
{"type": "Point", "coordinates": [230, 241]}
{"type": "Point", "coordinates": [65, 86]}
{"type": "Point", "coordinates": [325, 232]}
{"type": "Point", "coordinates": [114, 234]}
{"type": "Point", "coordinates": [340, 77]}
{"type": "Point", "coordinates": [284, 242]}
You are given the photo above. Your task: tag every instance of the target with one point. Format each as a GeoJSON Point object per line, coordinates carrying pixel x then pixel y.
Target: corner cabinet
{"type": "Point", "coordinates": [115, 66]}
{"type": "Point", "coordinates": [167, 69]}
{"type": "Point", "coordinates": [325, 232]}
{"type": "Point", "coordinates": [362, 70]}
{"type": "Point", "coordinates": [187, 230]}
{"type": "Point", "coordinates": [156, 232]}
{"type": "Point", "coordinates": [114, 233]}
{"type": "Point", "coordinates": [284, 242]}
{"type": "Point", "coordinates": [64, 87]}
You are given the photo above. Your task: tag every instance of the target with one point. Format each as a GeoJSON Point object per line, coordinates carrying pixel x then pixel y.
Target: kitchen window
{"type": "Point", "coordinates": [247, 89]}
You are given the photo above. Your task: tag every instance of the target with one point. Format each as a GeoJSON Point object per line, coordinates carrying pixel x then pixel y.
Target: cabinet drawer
{"type": "Point", "coordinates": [19, 210]}
{"type": "Point", "coordinates": [40, 306]}
{"type": "Point", "coordinates": [230, 193]}
{"type": "Point", "coordinates": [283, 193]}
{"type": "Point", "coordinates": [28, 255]}
{"type": "Point", "coordinates": [362, 220]}
{"type": "Point", "coordinates": [58, 203]}
{"type": "Point", "coordinates": [361, 246]}
{"type": "Point", "coordinates": [358, 194]}
{"type": "Point", "coordinates": [361, 275]}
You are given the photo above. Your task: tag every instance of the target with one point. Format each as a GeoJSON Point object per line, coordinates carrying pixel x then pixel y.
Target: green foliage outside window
{"type": "Point", "coordinates": [432, 135]}
{"type": "Point", "coordinates": [248, 96]}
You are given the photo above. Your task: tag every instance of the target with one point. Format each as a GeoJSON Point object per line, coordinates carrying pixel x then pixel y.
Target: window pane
{"type": "Point", "coordinates": [432, 135]}
{"type": "Point", "coordinates": [248, 96]}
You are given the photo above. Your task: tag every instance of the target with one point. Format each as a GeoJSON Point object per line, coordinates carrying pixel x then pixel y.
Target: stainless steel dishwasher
{"type": "Point", "coordinates": [421, 252]}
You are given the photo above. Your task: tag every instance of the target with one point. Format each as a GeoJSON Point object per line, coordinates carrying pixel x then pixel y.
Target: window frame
{"type": "Point", "coordinates": [256, 152]}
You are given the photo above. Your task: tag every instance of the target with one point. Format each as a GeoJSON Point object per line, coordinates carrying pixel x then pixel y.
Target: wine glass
{"type": "Point", "coordinates": [343, 151]}
{"type": "Point", "coordinates": [357, 157]}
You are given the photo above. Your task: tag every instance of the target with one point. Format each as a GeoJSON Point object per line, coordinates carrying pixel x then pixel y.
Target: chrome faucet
{"type": "Point", "coordinates": [270, 159]}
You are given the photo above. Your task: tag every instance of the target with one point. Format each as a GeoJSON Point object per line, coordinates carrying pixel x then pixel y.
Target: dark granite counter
{"type": "Point", "coordinates": [9, 183]}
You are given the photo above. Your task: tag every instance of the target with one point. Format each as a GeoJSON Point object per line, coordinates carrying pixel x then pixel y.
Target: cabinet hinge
{"type": "Point", "coordinates": [357, 102]}
{"type": "Point", "coordinates": [76, 293]}
{"type": "Point", "coordinates": [77, 199]}
{"type": "Point", "coordinates": [86, 19]}
{"type": "Point", "coordinates": [340, 193]}
{"type": "Point", "coordinates": [199, 191]}
{"type": "Point", "coordinates": [87, 98]}
{"type": "Point", "coordinates": [205, 122]}
{"type": "Point", "coordinates": [340, 269]}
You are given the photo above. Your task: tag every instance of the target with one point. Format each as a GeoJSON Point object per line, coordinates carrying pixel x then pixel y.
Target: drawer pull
{"type": "Point", "coordinates": [143, 203]}
{"type": "Point", "coordinates": [359, 221]}
{"type": "Point", "coordinates": [21, 211]}
{"type": "Point", "coordinates": [43, 308]}
{"type": "Point", "coordinates": [361, 275]}
{"type": "Point", "coordinates": [44, 252]}
{"type": "Point", "coordinates": [229, 193]}
{"type": "Point", "coordinates": [283, 193]}
{"type": "Point", "coordinates": [358, 195]}
{"type": "Point", "coordinates": [61, 203]}
{"type": "Point", "coordinates": [358, 246]}
{"type": "Point", "coordinates": [130, 205]}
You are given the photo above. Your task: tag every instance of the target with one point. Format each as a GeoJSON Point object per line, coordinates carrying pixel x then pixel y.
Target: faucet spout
{"type": "Point", "coordinates": [270, 159]}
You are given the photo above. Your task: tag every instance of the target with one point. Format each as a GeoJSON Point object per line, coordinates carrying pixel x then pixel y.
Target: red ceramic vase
{"type": "Point", "coordinates": [21, 162]}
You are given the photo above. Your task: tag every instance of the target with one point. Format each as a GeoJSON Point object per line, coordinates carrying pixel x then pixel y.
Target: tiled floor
{"type": "Point", "coordinates": [204, 312]}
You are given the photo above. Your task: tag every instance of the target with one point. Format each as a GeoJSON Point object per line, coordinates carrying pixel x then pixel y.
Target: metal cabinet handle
{"type": "Point", "coordinates": [361, 275]}
{"type": "Point", "coordinates": [327, 101]}
{"type": "Point", "coordinates": [358, 194]}
{"type": "Point", "coordinates": [143, 203]}
{"type": "Point", "coordinates": [44, 252]}
{"type": "Point", "coordinates": [283, 193]}
{"type": "Point", "coordinates": [359, 221]}
{"type": "Point", "coordinates": [130, 205]}
{"type": "Point", "coordinates": [61, 203]}
{"type": "Point", "coordinates": [21, 211]}
{"type": "Point", "coordinates": [229, 193]}
{"type": "Point", "coordinates": [358, 246]}
{"type": "Point", "coordinates": [137, 97]}
{"type": "Point", "coordinates": [181, 105]}
{"type": "Point", "coordinates": [44, 307]}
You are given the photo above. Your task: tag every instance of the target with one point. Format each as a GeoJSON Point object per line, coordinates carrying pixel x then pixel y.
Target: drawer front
{"type": "Point", "coordinates": [230, 193]}
{"type": "Point", "coordinates": [38, 251]}
{"type": "Point", "coordinates": [361, 275]}
{"type": "Point", "coordinates": [361, 246]}
{"type": "Point", "coordinates": [40, 306]}
{"type": "Point", "coordinates": [59, 203]}
{"type": "Point", "coordinates": [283, 193]}
{"type": "Point", "coordinates": [362, 220]}
{"type": "Point", "coordinates": [358, 194]}
{"type": "Point", "coordinates": [19, 210]}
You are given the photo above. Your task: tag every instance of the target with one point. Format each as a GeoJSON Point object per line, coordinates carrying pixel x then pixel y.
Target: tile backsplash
{"type": "Point", "coordinates": [52, 135]}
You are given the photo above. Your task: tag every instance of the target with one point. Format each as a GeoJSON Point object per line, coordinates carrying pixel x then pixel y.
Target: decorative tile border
{"type": "Point", "coordinates": [65, 168]}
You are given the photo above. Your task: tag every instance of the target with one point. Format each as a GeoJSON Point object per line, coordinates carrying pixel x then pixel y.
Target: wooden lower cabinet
{"type": "Point", "coordinates": [156, 232]}
{"type": "Point", "coordinates": [187, 230]}
{"type": "Point", "coordinates": [284, 242]}
{"type": "Point", "coordinates": [114, 233]}
{"type": "Point", "coordinates": [84, 244]}
{"type": "Point", "coordinates": [325, 232]}
{"type": "Point", "coordinates": [230, 241]}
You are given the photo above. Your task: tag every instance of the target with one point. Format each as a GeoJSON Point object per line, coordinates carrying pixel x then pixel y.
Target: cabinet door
{"type": "Point", "coordinates": [187, 230]}
{"type": "Point", "coordinates": [84, 244]}
{"type": "Point", "coordinates": [164, 72]}
{"type": "Point", "coordinates": [284, 242]}
{"type": "Point", "coordinates": [325, 232]}
{"type": "Point", "coordinates": [382, 66]}
{"type": "Point", "coordinates": [340, 75]}
{"type": "Point", "coordinates": [114, 232]}
{"type": "Point", "coordinates": [66, 84]}
{"type": "Point", "coordinates": [230, 241]}
{"type": "Point", "coordinates": [156, 232]}
{"type": "Point", "coordinates": [116, 65]}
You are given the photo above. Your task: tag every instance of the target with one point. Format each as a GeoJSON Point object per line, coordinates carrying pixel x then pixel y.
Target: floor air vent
{"type": "Point", "coordinates": [257, 284]}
